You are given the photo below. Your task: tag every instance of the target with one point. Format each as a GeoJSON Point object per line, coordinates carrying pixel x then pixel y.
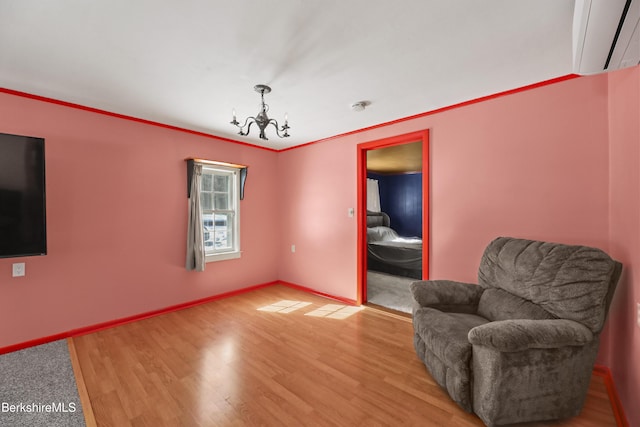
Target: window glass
{"type": "Point", "coordinates": [219, 196]}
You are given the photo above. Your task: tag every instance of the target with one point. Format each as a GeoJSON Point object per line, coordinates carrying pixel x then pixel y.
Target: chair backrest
{"type": "Point", "coordinates": [569, 282]}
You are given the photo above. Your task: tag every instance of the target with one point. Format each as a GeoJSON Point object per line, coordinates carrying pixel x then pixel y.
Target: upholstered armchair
{"type": "Point", "coordinates": [520, 346]}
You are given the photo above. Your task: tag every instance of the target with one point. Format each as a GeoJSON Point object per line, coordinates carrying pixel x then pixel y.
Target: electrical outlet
{"type": "Point", "coordinates": [293, 248]}
{"type": "Point", "coordinates": [18, 269]}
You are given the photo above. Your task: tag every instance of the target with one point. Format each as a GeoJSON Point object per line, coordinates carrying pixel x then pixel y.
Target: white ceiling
{"type": "Point", "coordinates": [188, 63]}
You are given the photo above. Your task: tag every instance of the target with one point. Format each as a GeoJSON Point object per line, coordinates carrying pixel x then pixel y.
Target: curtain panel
{"type": "Point", "coordinates": [373, 195]}
{"type": "Point", "coordinates": [195, 230]}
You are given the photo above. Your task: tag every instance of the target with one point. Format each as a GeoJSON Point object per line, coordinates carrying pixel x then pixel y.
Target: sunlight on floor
{"type": "Point", "coordinates": [331, 311]}
{"type": "Point", "coordinates": [334, 311]}
{"type": "Point", "coordinates": [284, 306]}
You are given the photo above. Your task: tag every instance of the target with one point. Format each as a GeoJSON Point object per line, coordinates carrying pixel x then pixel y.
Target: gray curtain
{"type": "Point", "coordinates": [195, 233]}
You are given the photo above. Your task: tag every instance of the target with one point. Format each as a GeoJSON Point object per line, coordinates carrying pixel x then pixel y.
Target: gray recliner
{"type": "Point", "coordinates": [520, 346]}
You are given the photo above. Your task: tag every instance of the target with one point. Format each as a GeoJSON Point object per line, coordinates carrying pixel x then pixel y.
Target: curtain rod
{"type": "Point", "coordinates": [243, 169]}
{"type": "Point", "coordinates": [215, 163]}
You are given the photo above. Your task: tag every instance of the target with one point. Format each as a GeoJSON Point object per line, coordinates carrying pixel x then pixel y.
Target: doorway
{"type": "Point", "coordinates": [391, 251]}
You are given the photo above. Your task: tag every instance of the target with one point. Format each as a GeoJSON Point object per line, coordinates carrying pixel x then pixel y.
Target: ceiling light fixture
{"type": "Point", "coordinates": [262, 120]}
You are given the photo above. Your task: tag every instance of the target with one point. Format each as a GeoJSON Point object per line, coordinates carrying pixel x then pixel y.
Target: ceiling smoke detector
{"type": "Point", "coordinates": [360, 106]}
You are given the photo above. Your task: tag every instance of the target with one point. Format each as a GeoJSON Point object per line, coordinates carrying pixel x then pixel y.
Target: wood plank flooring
{"type": "Point", "coordinates": [274, 357]}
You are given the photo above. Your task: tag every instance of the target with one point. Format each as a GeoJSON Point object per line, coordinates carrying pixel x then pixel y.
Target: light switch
{"type": "Point", "coordinates": [350, 212]}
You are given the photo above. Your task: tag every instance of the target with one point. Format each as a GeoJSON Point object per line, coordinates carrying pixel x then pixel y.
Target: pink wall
{"type": "Point", "coordinates": [559, 163]}
{"type": "Point", "coordinates": [317, 187]}
{"type": "Point", "coordinates": [116, 218]}
{"type": "Point", "coordinates": [531, 164]}
{"type": "Point", "coordinates": [556, 163]}
{"type": "Point", "coordinates": [623, 347]}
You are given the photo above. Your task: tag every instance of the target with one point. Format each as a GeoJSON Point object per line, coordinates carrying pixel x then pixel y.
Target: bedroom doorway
{"type": "Point", "coordinates": [393, 238]}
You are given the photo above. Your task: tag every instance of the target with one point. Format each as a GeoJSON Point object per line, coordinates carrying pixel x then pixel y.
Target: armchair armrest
{"type": "Point", "coordinates": [522, 334]}
{"type": "Point", "coordinates": [446, 295]}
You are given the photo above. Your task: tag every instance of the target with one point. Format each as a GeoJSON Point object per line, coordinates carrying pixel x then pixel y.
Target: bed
{"type": "Point", "coordinates": [387, 252]}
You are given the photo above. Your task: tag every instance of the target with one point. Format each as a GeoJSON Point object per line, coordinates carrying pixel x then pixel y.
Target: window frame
{"type": "Point", "coordinates": [234, 209]}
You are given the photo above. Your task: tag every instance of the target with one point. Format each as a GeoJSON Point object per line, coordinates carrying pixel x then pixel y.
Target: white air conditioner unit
{"type": "Point", "coordinates": [606, 35]}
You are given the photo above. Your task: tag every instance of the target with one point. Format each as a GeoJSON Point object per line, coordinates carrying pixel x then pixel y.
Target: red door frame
{"type": "Point", "coordinates": [362, 207]}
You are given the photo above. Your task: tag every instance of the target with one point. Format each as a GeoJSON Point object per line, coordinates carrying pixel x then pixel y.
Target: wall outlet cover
{"type": "Point", "coordinates": [18, 269]}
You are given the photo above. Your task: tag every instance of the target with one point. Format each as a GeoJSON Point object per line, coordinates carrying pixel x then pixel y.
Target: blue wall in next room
{"type": "Point", "coordinates": [401, 199]}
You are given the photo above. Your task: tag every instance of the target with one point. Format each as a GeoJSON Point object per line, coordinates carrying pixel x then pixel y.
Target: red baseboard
{"type": "Point", "coordinates": [33, 343]}
{"type": "Point", "coordinates": [616, 404]}
{"type": "Point", "coordinates": [599, 370]}
{"type": "Point", "coordinates": [124, 320]}
{"type": "Point", "coordinates": [321, 294]}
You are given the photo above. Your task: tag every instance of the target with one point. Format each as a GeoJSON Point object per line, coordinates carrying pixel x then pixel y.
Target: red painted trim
{"type": "Point", "coordinates": [426, 204]}
{"type": "Point", "coordinates": [321, 294]}
{"type": "Point", "coordinates": [206, 135]}
{"type": "Point", "coordinates": [124, 320]}
{"type": "Point", "coordinates": [616, 404]}
{"type": "Point", "coordinates": [361, 241]}
{"type": "Point", "coordinates": [361, 223]}
{"type": "Point", "coordinates": [440, 110]}
{"type": "Point", "coordinates": [33, 343]}
{"type": "Point", "coordinates": [125, 117]}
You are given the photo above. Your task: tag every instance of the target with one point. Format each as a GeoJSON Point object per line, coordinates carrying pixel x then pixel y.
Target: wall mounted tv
{"type": "Point", "coordinates": [23, 227]}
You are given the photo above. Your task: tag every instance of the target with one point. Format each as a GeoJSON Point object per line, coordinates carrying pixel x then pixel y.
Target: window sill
{"type": "Point", "coordinates": [222, 256]}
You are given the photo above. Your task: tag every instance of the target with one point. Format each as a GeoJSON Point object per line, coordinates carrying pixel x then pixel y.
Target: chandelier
{"type": "Point", "coordinates": [262, 120]}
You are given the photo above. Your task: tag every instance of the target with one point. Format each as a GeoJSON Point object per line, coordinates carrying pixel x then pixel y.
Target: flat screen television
{"type": "Point", "coordinates": [23, 225]}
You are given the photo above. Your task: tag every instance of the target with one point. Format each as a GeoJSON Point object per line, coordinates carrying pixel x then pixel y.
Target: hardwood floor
{"type": "Point", "coordinates": [274, 357]}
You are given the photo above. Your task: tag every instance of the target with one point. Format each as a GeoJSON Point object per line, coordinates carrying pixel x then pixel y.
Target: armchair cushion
{"type": "Point", "coordinates": [496, 304]}
{"type": "Point", "coordinates": [523, 334]}
{"type": "Point", "coordinates": [447, 295]}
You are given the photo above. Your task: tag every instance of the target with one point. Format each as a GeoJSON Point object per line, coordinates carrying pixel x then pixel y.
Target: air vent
{"type": "Point", "coordinates": [606, 35]}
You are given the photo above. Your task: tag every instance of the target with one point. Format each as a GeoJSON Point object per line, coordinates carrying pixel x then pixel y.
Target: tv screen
{"type": "Point", "coordinates": [23, 230]}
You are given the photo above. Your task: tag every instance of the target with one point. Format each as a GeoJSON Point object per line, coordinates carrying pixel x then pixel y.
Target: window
{"type": "Point", "coordinates": [220, 201]}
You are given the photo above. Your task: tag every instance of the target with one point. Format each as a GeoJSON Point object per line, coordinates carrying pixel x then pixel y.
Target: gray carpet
{"type": "Point", "coordinates": [389, 291]}
{"type": "Point", "coordinates": [38, 388]}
